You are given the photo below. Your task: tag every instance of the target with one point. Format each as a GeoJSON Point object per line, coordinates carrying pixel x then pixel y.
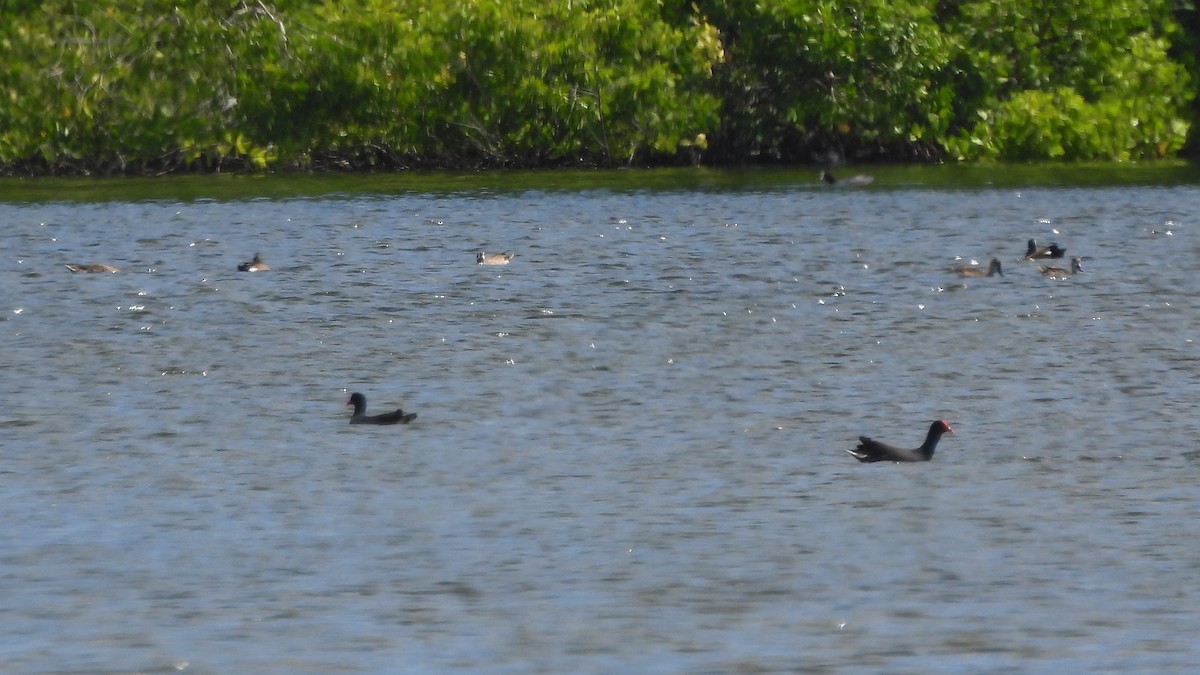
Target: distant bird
{"type": "Point", "coordinates": [494, 258]}
{"type": "Point", "coordinates": [1033, 252]}
{"type": "Point", "coordinates": [993, 269]}
{"type": "Point", "coordinates": [360, 415]}
{"type": "Point", "coordinates": [869, 450]}
{"type": "Point", "coordinates": [92, 268]}
{"type": "Point", "coordinates": [859, 179]}
{"type": "Point", "coordinates": [1060, 273]}
{"type": "Point", "coordinates": [256, 265]}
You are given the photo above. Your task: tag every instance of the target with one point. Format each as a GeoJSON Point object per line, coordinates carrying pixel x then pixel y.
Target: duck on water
{"type": "Point", "coordinates": [1035, 252]}
{"type": "Point", "coordinates": [871, 450]}
{"type": "Point", "coordinates": [360, 415]}
{"type": "Point", "coordinates": [1060, 273]}
{"type": "Point", "coordinates": [994, 269]}
{"type": "Point", "coordinates": [828, 178]}
{"type": "Point", "coordinates": [256, 265]}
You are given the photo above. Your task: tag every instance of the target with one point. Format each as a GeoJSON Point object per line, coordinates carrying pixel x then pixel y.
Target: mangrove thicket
{"type": "Point", "coordinates": [149, 86]}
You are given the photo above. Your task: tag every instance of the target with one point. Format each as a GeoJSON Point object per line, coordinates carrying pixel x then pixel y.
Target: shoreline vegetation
{"type": "Point", "coordinates": [154, 87]}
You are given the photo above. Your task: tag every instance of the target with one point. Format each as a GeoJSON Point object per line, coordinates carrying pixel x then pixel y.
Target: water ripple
{"type": "Point", "coordinates": [629, 449]}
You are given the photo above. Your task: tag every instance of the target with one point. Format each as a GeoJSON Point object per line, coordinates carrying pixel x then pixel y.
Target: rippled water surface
{"type": "Point", "coordinates": [629, 455]}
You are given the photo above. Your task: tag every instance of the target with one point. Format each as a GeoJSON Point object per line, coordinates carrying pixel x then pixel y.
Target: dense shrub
{"type": "Point", "coordinates": [809, 78]}
{"type": "Point", "coordinates": [1077, 79]}
{"type": "Point", "coordinates": [154, 86]}
{"type": "Point", "coordinates": [159, 86]}
{"type": "Point", "coordinates": [963, 79]}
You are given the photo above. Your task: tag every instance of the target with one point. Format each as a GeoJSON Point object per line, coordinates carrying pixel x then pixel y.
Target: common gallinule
{"type": "Point", "coordinates": [858, 179]}
{"type": "Point", "coordinates": [869, 450]}
{"type": "Point", "coordinates": [360, 415]}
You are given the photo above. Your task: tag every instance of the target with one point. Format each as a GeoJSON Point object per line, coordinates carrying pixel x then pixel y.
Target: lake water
{"type": "Point", "coordinates": [629, 455]}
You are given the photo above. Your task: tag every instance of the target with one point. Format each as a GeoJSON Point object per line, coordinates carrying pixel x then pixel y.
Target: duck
{"type": "Point", "coordinates": [256, 265]}
{"type": "Point", "coordinates": [494, 258]}
{"type": "Point", "coordinates": [858, 179]}
{"type": "Point", "coordinates": [92, 268]}
{"type": "Point", "coordinates": [1034, 252]}
{"type": "Point", "coordinates": [360, 415]}
{"type": "Point", "coordinates": [870, 450]}
{"type": "Point", "coordinates": [994, 269]}
{"type": "Point", "coordinates": [1060, 273]}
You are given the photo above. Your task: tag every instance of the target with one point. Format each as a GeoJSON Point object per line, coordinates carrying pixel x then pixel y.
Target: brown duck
{"type": "Point", "coordinates": [1060, 273]}
{"type": "Point", "coordinates": [994, 269]}
{"type": "Point", "coordinates": [494, 258]}
{"type": "Point", "coordinates": [92, 268]}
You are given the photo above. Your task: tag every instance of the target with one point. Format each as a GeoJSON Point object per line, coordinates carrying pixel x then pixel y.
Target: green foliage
{"type": "Point", "coordinates": [968, 79]}
{"type": "Point", "coordinates": [1079, 79]}
{"type": "Point", "coordinates": [111, 90]}
{"type": "Point", "coordinates": [531, 82]}
{"type": "Point", "coordinates": [810, 77]}
{"type": "Point", "coordinates": [157, 86]}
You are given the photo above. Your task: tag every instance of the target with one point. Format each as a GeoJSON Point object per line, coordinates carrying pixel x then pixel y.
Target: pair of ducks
{"type": "Point", "coordinates": [868, 450]}
{"type": "Point", "coordinates": [1035, 252]}
{"type": "Point", "coordinates": [1032, 252]}
{"type": "Point", "coordinates": [482, 258]}
{"type": "Point", "coordinates": [398, 416]}
{"type": "Point", "coordinates": [256, 265]}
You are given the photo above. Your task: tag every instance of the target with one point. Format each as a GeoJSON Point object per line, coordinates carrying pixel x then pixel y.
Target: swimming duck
{"type": "Point", "coordinates": [1060, 273]}
{"type": "Point", "coordinates": [256, 265]}
{"type": "Point", "coordinates": [870, 450]}
{"type": "Point", "coordinates": [859, 179]}
{"type": "Point", "coordinates": [993, 269]}
{"type": "Point", "coordinates": [494, 258]}
{"type": "Point", "coordinates": [1033, 252]}
{"type": "Point", "coordinates": [360, 415]}
{"type": "Point", "coordinates": [92, 268]}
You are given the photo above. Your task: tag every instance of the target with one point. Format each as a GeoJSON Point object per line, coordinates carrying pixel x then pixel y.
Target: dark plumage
{"type": "Point", "coordinates": [256, 265]}
{"type": "Point", "coordinates": [859, 179]}
{"type": "Point", "coordinates": [360, 415]}
{"type": "Point", "coordinates": [869, 450]}
{"type": "Point", "coordinates": [1034, 252]}
{"type": "Point", "coordinates": [994, 269]}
